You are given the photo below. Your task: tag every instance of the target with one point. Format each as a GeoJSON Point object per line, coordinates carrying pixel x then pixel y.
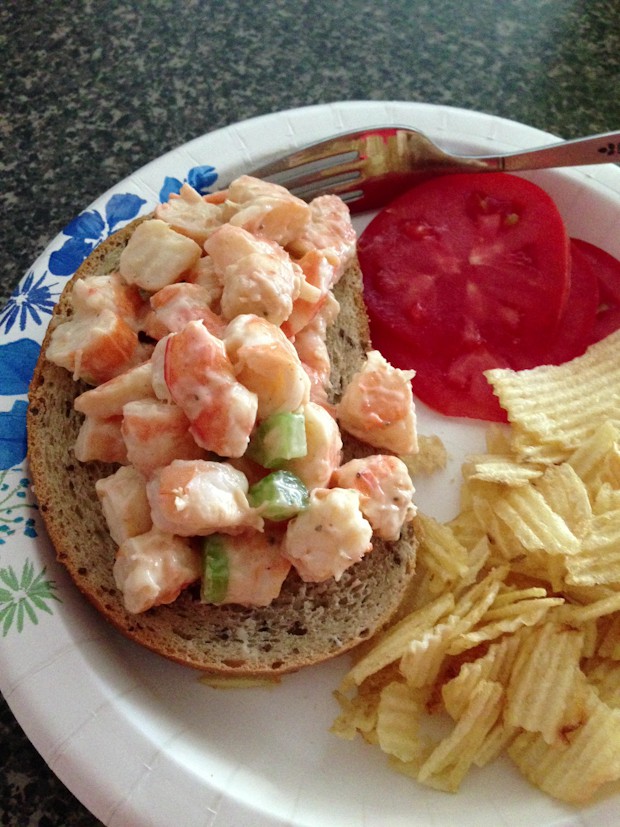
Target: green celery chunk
{"type": "Point", "coordinates": [214, 569]}
{"type": "Point", "coordinates": [280, 437]}
{"type": "Point", "coordinates": [280, 496]}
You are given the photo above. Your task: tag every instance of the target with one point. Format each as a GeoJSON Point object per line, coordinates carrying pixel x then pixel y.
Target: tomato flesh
{"type": "Point", "coordinates": [607, 272]}
{"type": "Point", "coordinates": [579, 316]}
{"type": "Point", "coordinates": [463, 273]}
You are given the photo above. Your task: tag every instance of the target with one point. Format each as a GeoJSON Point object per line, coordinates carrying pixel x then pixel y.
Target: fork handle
{"type": "Point", "coordinates": [597, 149]}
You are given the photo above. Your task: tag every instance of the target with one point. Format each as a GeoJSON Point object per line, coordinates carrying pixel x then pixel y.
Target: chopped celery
{"type": "Point", "coordinates": [280, 496]}
{"type": "Point", "coordinates": [280, 437]}
{"type": "Point", "coordinates": [214, 569]}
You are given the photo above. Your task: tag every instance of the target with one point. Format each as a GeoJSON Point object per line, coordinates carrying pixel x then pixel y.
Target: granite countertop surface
{"type": "Point", "coordinates": [93, 89]}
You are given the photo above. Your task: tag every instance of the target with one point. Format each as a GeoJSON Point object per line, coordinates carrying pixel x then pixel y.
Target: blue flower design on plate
{"type": "Point", "coordinates": [17, 362]}
{"type": "Point", "coordinates": [201, 178]}
{"type": "Point", "coordinates": [89, 228]}
{"type": "Point", "coordinates": [13, 435]}
{"type": "Point", "coordinates": [29, 302]}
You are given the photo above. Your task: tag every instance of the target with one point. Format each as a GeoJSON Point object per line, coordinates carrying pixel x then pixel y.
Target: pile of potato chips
{"type": "Point", "coordinates": [513, 630]}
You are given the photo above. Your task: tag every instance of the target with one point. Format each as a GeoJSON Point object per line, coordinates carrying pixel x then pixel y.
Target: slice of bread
{"type": "Point", "coordinates": [306, 624]}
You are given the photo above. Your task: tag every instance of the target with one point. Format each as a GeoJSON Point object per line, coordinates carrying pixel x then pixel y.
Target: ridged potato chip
{"type": "Point", "coordinates": [389, 646]}
{"type": "Point", "coordinates": [466, 528]}
{"type": "Point", "coordinates": [514, 636]}
{"type": "Point", "coordinates": [539, 566]}
{"type": "Point", "coordinates": [598, 561]}
{"type": "Point", "coordinates": [610, 472]}
{"type": "Point", "coordinates": [360, 713]}
{"type": "Point", "coordinates": [604, 675]}
{"type": "Point", "coordinates": [422, 660]}
{"type": "Point", "coordinates": [496, 665]}
{"type": "Point", "coordinates": [423, 657]}
{"type": "Point", "coordinates": [451, 759]}
{"type": "Point", "coordinates": [590, 610]}
{"type": "Point", "coordinates": [500, 468]}
{"type": "Point", "coordinates": [609, 643]}
{"type": "Point", "coordinates": [399, 714]}
{"type": "Point", "coordinates": [544, 675]}
{"type": "Point", "coordinates": [498, 739]}
{"type": "Point", "coordinates": [478, 557]}
{"type": "Point", "coordinates": [555, 408]}
{"type": "Point", "coordinates": [588, 459]}
{"type": "Point", "coordinates": [527, 514]}
{"type": "Point", "coordinates": [503, 620]}
{"type": "Point", "coordinates": [591, 637]}
{"type": "Point", "coordinates": [567, 496]}
{"type": "Point", "coordinates": [439, 549]}
{"type": "Point", "coordinates": [605, 498]}
{"type": "Point", "coordinates": [505, 544]}
{"type": "Point", "coordinates": [573, 768]}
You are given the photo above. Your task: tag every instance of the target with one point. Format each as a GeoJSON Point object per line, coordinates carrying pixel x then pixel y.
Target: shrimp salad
{"type": "Point", "coordinates": [206, 357]}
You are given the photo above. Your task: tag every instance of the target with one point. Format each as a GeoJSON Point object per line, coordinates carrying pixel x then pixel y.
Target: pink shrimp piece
{"type": "Point", "coordinates": [318, 388]}
{"type": "Point", "coordinates": [266, 363]}
{"type": "Point", "coordinates": [266, 210]}
{"type": "Point", "coordinates": [158, 369]}
{"type": "Point", "coordinates": [231, 244]}
{"type": "Point", "coordinates": [100, 439]}
{"type": "Point", "coordinates": [109, 398]}
{"type": "Point", "coordinates": [100, 340]}
{"type": "Point", "coordinates": [256, 568]}
{"type": "Point", "coordinates": [94, 294]}
{"type": "Point", "coordinates": [200, 497]}
{"type": "Point", "coordinates": [96, 347]}
{"type": "Point", "coordinates": [156, 433]}
{"type": "Point", "coordinates": [218, 197]}
{"type": "Point", "coordinates": [258, 276]}
{"type": "Point", "coordinates": [329, 536]}
{"type": "Point", "coordinates": [153, 568]}
{"type": "Point", "coordinates": [314, 357]}
{"type": "Point", "coordinates": [190, 214]}
{"type": "Point", "coordinates": [377, 406]}
{"type": "Point", "coordinates": [311, 346]}
{"type": "Point", "coordinates": [204, 274]}
{"type": "Point", "coordinates": [319, 276]}
{"type": "Point", "coordinates": [124, 503]}
{"type": "Point", "coordinates": [330, 231]}
{"type": "Point", "coordinates": [386, 491]}
{"type": "Point", "coordinates": [199, 378]}
{"type": "Point", "coordinates": [156, 255]}
{"type": "Point", "coordinates": [324, 448]}
{"type": "Point", "coordinates": [177, 304]}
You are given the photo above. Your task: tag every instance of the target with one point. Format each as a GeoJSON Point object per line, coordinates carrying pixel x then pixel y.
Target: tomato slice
{"type": "Point", "coordinates": [579, 316]}
{"type": "Point", "coordinates": [607, 272]}
{"type": "Point", "coordinates": [462, 273]}
{"type": "Point", "coordinates": [456, 388]}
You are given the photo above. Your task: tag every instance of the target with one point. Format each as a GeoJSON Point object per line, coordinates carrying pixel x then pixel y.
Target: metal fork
{"type": "Point", "coordinates": [368, 168]}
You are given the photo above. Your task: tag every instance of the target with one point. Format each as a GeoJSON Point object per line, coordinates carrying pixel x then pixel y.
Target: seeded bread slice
{"type": "Point", "coordinates": [306, 624]}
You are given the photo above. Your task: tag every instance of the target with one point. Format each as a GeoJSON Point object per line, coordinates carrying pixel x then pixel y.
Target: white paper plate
{"type": "Point", "coordinates": [140, 740]}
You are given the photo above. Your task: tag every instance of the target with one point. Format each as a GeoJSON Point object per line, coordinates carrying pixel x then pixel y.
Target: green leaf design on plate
{"type": "Point", "coordinates": [23, 597]}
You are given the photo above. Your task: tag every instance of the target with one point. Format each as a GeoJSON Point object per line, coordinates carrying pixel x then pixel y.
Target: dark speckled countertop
{"type": "Point", "coordinates": [93, 90]}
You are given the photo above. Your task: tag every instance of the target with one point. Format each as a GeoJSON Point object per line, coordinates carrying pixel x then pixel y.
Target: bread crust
{"type": "Point", "coordinates": [308, 623]}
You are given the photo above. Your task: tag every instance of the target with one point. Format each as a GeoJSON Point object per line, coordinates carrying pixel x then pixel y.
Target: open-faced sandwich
{"type": "Point", "coordinates": [214, 444]}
